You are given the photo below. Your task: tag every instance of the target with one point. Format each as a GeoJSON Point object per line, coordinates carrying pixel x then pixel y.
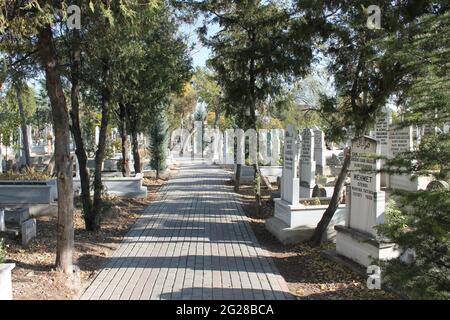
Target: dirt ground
{"type": "Point", "coordinates": [34, 277]}
{"type": "Point", "coordinates": [309, 274]}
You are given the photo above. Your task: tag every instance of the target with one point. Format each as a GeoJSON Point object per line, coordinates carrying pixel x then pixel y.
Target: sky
{"type": "Point", "coordinates": [200, 53]}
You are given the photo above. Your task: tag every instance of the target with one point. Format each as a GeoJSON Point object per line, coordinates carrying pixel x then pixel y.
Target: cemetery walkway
{"type": "Point", "coordinates": [195, 242]}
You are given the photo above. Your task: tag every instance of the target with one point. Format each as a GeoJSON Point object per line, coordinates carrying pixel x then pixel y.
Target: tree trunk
{"type": "Point", "coordinates": [237, 178]}
{"type": "Point", "coordinates": [257, 185]}
{"type": "Point", "coordinates": [63, 161]}
{"type": "Point", "coordinates": [94, 217]}
{"type": "Point", "coordinates": [136, 155]}
{"type": "Point", "coordinates": [157, 167]}
{"type": "Point", "coordinates": [321, 228]}
{"type": "Point", "coordinates": [23, 126]}
{"type": "Point", "coordinates": [217, 118]}
{"type": "Point", "coordinates": [125, 141]}
{"type": "Point", "coordinates": [80, 150]}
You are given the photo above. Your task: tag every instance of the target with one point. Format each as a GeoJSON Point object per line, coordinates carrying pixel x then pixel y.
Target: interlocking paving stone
{"type": "Point", "coordinates": [194, 242]}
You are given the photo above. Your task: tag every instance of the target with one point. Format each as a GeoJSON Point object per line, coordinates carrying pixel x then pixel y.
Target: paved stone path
{"type": "Point", "coordinates": [194, 243]}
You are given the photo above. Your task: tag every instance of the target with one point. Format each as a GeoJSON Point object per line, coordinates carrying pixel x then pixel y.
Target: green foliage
{"type": "Point", "coordinates": [159, 138]}
{"type": "Point", "coordinates": [420, 222]}
{"type": "Point", "coordinates": [9, 110]}
{"type": "Point", "coordinates": [256, 51]}
{"type": "Point", "coordinates": [2, 251]}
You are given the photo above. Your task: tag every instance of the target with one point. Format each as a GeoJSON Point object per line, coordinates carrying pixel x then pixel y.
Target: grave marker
{"type": "Point", "coordinates": [382, 125]}
{"type": "Point", "coordinates": [366, 200]}
{"type": "Point", "coordinates": [319, 152]}
{"type": "Point", "coordinates": [28, 231]}
{"type": "Point", "coordinates": [307, 164]}
{"type": "Point", "coordinates": [401, 140]}
{"type": "Point", "coordinates": [358, 240]}
{"type": "Point", "coordinates": [290, 180]}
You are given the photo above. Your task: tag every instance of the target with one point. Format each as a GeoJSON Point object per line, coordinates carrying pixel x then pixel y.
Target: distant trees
{"type": "Point", "coordinates": [210, 93]}
{"type": "Point", "coordinates": [256, 51]}
{"type": "Point", "coordinates": [125, 54]}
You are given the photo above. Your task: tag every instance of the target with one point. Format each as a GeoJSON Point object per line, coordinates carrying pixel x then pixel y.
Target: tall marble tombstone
{"type": "Point", "coordinates": [277, 135]}
{"type": "Point", "coordinates": [290, 181]}
{"type": "Point", "coordinates": [357, 240]}
{"type": "Point", "coordinates": [264, 153]}
{"type": "Point", "coordinates": [307, 164]}
{"type": "Point", "coordinates": [320, 152]}
{"type": "Point", "coordinates": [382, 125]}
{"type": "Point", "coordinates": [228, 147]}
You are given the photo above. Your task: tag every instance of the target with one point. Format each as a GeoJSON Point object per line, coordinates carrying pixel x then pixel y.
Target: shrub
{"type": "Point", "coordinates": [2, 251]}
{"type": "Point", "coordinates": [28, 174]}
{"type": "Point", "coordinates": [420, 223]}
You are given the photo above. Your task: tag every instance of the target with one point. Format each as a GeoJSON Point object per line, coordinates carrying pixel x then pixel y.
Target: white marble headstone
{"type": "Point", "coordinates": [319, 150]}
{"type": "Point", "coordinates": [400, 140]}
{"type": "Point", "coordinates": [307, 164]}
{"type": "Point", "coordinates": [367, 202]}
{"type": "Point", "coordinates": [290, 180]}
{"type": "Point", "coordinates": [381, 133]}
{"type": "Point", "coordinates": [277, 136]}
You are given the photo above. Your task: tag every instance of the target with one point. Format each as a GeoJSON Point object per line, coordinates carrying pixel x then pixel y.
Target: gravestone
{"type": "Point", "coordinates": [438, 185]}
{"type": "Point", "coordinates": [217, 153]}
{"type": "Point", "coordinates": [28, 231]}
{"type": "Point", "coordinates": [319, 152]}
{"type": "Point", "coordinates": [228, 147]}
{"type": "Point", "coordinates": [17, 216]}
{"type": "Point", "coordinates": [293, 221]}
{"type": "Point", "coordinates": [401, 140]}
{"type": "Point", "coordinates": [276, 141]}
{"type": "Point", "coordinates": [358, 240]}
{"type": "Point", "coordinates": [307, 164]}
{"type": "Point", "coordinates": [382, 125]}
{"type": "Point", "coordinates": [367, 201]}
{"type": "Point", "coordinates": [290, 181]}
{"type": "Point", "coordinates": [263, 150]}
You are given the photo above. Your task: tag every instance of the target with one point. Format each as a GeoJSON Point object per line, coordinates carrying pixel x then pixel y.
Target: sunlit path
{"type": "Point", "coordinates": [194, 243]}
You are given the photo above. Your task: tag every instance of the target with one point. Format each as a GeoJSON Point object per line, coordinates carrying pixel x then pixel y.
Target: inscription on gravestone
{"type": "Point", "coordinates": [28, 231]}
{"type": "Point", "coordinates": [288, 152]}
{"type": "Point", "coordinates": [401, 140]}
{"type": "Point", "coordinates": [367, 202]}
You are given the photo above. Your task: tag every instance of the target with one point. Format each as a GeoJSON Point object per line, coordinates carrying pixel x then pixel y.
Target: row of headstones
{"type": "Point", "coordinates": [304, 156]}
{"type": "Point", "coordinates": [395, 140]}
{"type": "Point", "coordinates": [270, 144]}
{"type": "Point", "coordinates": [366, 203]}
{"type": "Point", "coordinates": [11, 156]}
